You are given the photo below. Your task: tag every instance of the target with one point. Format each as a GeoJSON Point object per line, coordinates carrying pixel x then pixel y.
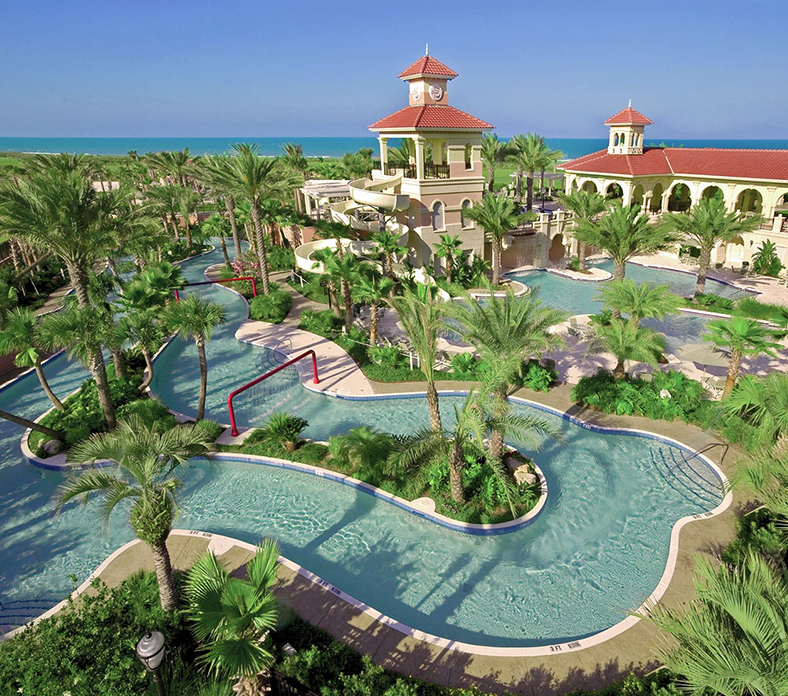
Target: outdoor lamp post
{"type": "Point", "coordinates": [150, 651]}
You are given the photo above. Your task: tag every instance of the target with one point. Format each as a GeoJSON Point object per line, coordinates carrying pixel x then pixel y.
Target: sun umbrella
{"type": "Point", "coordinates": [703, 354]}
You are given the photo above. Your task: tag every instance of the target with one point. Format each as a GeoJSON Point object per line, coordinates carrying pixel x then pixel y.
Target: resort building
{"type": "Point", "coordinates": [674, 178]}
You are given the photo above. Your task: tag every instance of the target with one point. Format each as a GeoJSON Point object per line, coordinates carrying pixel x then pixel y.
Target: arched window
{"type": "Point", "coordinates": [469, 156]}
{"type": "Point", "coordinates": [615, 140]}
{"type": "Point", "coordinates": [466, 222]}
{"type": "Point", "coordinates": [437, 215]}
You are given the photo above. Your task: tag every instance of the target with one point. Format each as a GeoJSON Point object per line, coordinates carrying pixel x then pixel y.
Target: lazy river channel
{"type": "Point", "coordinates": [597, 550]}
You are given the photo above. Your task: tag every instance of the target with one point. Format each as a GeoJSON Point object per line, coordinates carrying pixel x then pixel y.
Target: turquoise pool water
{"type": "Point", "coordinates": [597, 550]}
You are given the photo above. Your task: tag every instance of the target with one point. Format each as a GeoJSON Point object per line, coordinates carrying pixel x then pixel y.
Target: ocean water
{"type": "Point", "coordinates": [315, 147]}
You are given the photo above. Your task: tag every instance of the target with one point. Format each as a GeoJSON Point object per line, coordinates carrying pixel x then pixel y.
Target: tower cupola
{"type": "Point", "coordinates": [427, 79]}
{"type": "Point", "coordinates": [626, 132]}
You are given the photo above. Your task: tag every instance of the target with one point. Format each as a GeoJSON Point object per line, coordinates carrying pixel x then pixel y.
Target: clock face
{"type": "Point", "coordinates": [436, 92]}
{"type": "Point", "coordinates": [414, 92]}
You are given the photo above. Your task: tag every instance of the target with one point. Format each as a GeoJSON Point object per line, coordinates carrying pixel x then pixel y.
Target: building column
{"type": "Point", "coordinates": [308, 202]}
{"type": "Point", "coordinates": [665, 198]}
{"type": "Point", "coordinates": [384, 153]}
{"type": "Point", "coordinates": [419, 142]}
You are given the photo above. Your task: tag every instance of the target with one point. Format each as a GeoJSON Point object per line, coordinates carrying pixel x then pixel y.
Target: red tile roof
{"type": "Point", "coordinates": [427, 65]}
{"type": "Point", "coordinates": [627, 117]}
{"type": "Point", "coordinates": [766, 165]}
{"type": "Point", "coordinates": [430, 117]}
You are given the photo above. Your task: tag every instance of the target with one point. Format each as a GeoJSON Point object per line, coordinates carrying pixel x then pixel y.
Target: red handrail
{"type": "Point", "coordinates": [222, 280]}
{"type": "Point", "coordinates": [266, 376]}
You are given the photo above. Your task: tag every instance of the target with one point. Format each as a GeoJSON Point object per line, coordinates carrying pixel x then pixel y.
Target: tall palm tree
{"type": "Point", "coordinates": [323, 259]}
{"type": "Point", "coordinates": [373, 287]}
{"type": "Point", "coordinates": [196, 318]}
{"type": "Point", "coordinates": [218, 226]}
{"type": "Point", "coordinates": [231, 616]}
{"type": "Point", "coordinates": [639, 301]}
{"type": "Point", "coordinates": [293, 158]}
{"type": "Point", "coordinates": [188, 200]}
{"type": "Point", "coordinates": [174, 164]}
{"type": "Point", "coordinates": [731, 639]}
{"type": "Point", "coordinates": [58, 210]}
{"type": "Point", "coordinates": [256, 179]}
{"type": "Point", "coordinates": [707, 224]}
{"type": "Point", "coordinates": [532, 155]}
{"type": "Point", "coordinates": [217, 174]}
{"type": "Point", "coordinates": [506, 331]}
{"type": "Point", "coordinates": [448, 248]}
{"type": "Point", "coordinates": [165, 202]}
{"type": "Point", "coordinates": [585, 206]}
{"type": "Point", "coordinates": [764, 402]}
{"type": "Point", "coordinates": [145, 331]}
{"type": "Point", "coordinates": [415, 454]}
{"type": "Point", "coordinates": [388, 244]}
{"type": "Point", "coordinates": [627, 340]}
{"type": "Point", "coordinates": [20, 333]}
{"type": "Point", "coordinates": [144, 458]}
{"type": "Point", "coordinates": [421, 314]}
{"type": "Point", "coordinates": [493, 153]}
{"type": "Point", "coordinates": [346, 270]}
{"type": "Point", "coordinates": [497, 216]}
{"type": "Point", "coordinates": [741, 337]}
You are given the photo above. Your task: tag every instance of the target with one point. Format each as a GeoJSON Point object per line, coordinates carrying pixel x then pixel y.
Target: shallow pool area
{"type": "Point", "coordinates": [596, 551]}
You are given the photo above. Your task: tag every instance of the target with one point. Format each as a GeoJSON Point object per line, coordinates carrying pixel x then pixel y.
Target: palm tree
{"type": "Point", "coordinates": [421, 314]}
{"type": "Point", "coordinates": [706, 225]}
{"type": "Point", "coordinates": [417, 453]}
{"type": "Point", "coordinates": [324, 258]}
{"type": "Point", "coordinates": [57, 209]}
{"type": "Point", "coordinates": [256, 179]}
{"type": "Point", "coordinates": [639, 301]}
{"type": "Point", "coordinates": [731, 639]}
{"type": "Point", "coordinates": [497, 216]}
{"type": "Point", "coordinates": [764, 402]}
{"type": "Point", "coordinates": [346, 270]}
{"type": "Point", "coordinates": [188, 201]}
{"type": "Point", "coordinates": [196, 318]}
{"type": "Point", "coordinates": [293, 158]}
{"type": "Point", "coordinates": [625, 233]}
{"type": "Point", "coordinates": [143, 329]}
{"type": "Point", "coordinates": [584, 205]}
{"type": "Point", "coordinates": [216, 172]}
{"type": "Point", "coordinates": [493, 153]}
{"type": "Point", "coordinates": [532, 155]}
{"type": "Point", "coordinates": [231, 616]}
{"type": "Point", "coordinates": [283, 429]}
{"type": "Point", "coordinates": [388, 244]}
{"type": "Point", "coordinates": [627, 340]}
{"type": "Point", "coordinates": [20, 333]}
{"type": "Point", "coordinates": [374, 288]}
{"type": "Point", "coordinates": [144, 458]}
{"type": "Point", "coordinates": [741, 337]}
{"type": "Point", "coordinates": [506, 331]}
{"type": "Point", "coordinates": [218, 226]}
{"type": "Point", "coordinates": [448, 248]}
{"type": "Point", "coordinates": [164, 201]}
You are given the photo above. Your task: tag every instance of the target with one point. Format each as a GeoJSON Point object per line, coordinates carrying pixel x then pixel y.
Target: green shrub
{"type": "Point", "coordinates": [538, 377]}
{"type": "Point", "coordinates": [283, 429]}
{"type": "Point", "coordinates": [312, 289]}
{"type": "Point", "coordinates": [271, 308]}
{"type": "Point", "coordinates": [465, 365]}
{"type": "Point", "coordinates": [211, 429]}
{"type": "Point", "coordinates": [754, 309]}
{"type": "Point", "coordinates": [151, 411]}
{"type": "Point", "coordinates": [307, 452]}
{"type": "Point", "coordinates": [280, 258]}
{"type": "Point", "coordinates": [714, 302]}
{"type": "Point", "coordinates": [320, 322]}
{"type": "Point", "coordinates": [757, 531]}
{"type": "Point", "coordinates": [387, 356]}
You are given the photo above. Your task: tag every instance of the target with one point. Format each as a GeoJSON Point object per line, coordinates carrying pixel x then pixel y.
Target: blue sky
{"type": "Point", "coordinates": [303, 68]}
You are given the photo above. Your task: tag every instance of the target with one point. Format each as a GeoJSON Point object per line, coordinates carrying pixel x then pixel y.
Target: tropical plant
{"type": "Point", "coordinates": [357, 165]}
{"type": "Point", "coordinates": [763, 401]}
{"type": "Point", "coordinates": [218, 226]}
{"type": "Point", "coordinates": [493, 153]}
{"type": "Point", "coordinates": [531, 155]}
{"type": "Point", "coordinates": [448, 248]}
{"type": "Point", "coordinates": [196, 318]}
{"type": "Point", "coordinates": [625, 233]}
{"type": "Point", "coordinates": [638, 301]}
{"type": "Point", "coordinates": [360, 448]}
{"type": "Point", "coordinates": [731, 639]}
{"type": "Point", "coordinates": [293, 158]}
{"type": "Point", "coordinates": [741, 337]}
{"type": "Point", "coordinates": [164, 201]}
{"type": "Point", "coordinates": [627, 340]}
{"type": "Point", "coordinates": [506, 331]}
{"type": "Point", "coordinates": [585, 206]}
{"type": "Point", "coordinates": [706, 225]}
{"type": "Point", "coordinates": [145, 331]}
{"type": "Point", "coordinates": [497, 216]}
{"type": "Point", "coordinates": [216, 172]}
{"type": "Point", "coordinates": [421, 314]}
{"type": "Point", "coordinates": [322, 261]}
{"type": "Point", "coordinates": [20, 333]}
{"type": "Point", "coordinates": [231, 617]}
{"type": "Point", "coordinates": [344, 269]}
{"type": "Point", "coordinates": [145, 459]}
{"type": "Point", "coordinates": [284, 429]}
{"type": "Point", "coordinates": [374, 288]}
{"type": "Point", "coordinates": [388, 244]}
{"type": "Point", "coordinates": [765, 259]}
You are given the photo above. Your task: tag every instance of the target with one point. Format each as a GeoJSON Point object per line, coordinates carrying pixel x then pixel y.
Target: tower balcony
{"type": "Point", "coordinates": [408, 171]}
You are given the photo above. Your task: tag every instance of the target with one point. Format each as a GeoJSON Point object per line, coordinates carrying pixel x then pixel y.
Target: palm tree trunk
{"type": "Point", "coordinates": [619, 272]}
{"type": "Point", "coordinates": [332, 293]}
{"type": "Point", "coordinates": [496, 436]}
{"type": "Point", "coordinates": [490, 177]}
{"type": "Point", "coordinates": [455, 473]}
{"type": "Point", "coordinates": [47, 389]}
{"type": "Point", "coordinates": [581, 256]}
{"type": "Point", "coordinates": [529, 196]}
{"type": "Point", "coordinates": [224, 252]}
{"type": "Point", "coordinates": [229, 204]}
{"type": "Point", "coordinates": [168, 592]}
{"type": "Point", "coordinates": [704, 260]}
{"type": "Point", "coordinates": [373, 323]}
{"type": "Point", "coordinates": [348, 298]}
{"type": "Point", "coordinates": [25, 423]}
{"type": "Point", "coordinates": [518, 183]}
{"type": "Point", "coordinates": [389, 258]}
{"type": "Point", "coordinates": [432, 403]}
{"type": "Point", "coordinates": [734, 365]}
{"type": "Point", "coordinates": [260, 245]}
{"type": "Point", "coordinates": [175, 227]}
{"type": "Point", "coordinates": [188, 233]}
{"type": "Point", "coordinates": [620, 370]}
{"type": "Point", "coordinates": [14, 255]}
{"type": "Point", "coordinates": [200, 341]}
{"type": "Point", "coordinates": [449, 267]}
{"type": "Point", "coordinates": [496, 262]}
{"type": "Point", "coordinates": [113, 266]}
{"type": "Point", "coordinates": [149, 369]}
{"type": "Point", "coordinates": [119, 362]}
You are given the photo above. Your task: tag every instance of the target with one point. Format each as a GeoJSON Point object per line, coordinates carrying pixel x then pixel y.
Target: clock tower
{"type": "Point", "coordinates": [427, 79]}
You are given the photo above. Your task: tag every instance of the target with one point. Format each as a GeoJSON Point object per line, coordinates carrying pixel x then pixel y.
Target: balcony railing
{"type": "Point", "coordinates": [408, 171]}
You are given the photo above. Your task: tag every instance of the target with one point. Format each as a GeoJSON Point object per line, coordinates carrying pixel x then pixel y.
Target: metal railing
{"type": "Point", "coordinates": [431, 171]}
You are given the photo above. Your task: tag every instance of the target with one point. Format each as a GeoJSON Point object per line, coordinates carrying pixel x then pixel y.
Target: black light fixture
{"type": "Point", "coordinates": [150, 651]}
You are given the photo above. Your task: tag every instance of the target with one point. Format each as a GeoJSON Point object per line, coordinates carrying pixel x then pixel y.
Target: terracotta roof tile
{"type": "Point", "coordinates": [627, 117]}
{"type": "Point", "coordinates": [766, 165]}
{"type": "Point", "coordinates": [427, 65]}
{"type": "Point", "coordinates": [430, 116]}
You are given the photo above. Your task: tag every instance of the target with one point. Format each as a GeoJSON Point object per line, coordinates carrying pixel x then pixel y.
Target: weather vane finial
{"type": "Point", "coordinates": [630, 102]}
{"type": "Point", "coordinates": [426, 49]}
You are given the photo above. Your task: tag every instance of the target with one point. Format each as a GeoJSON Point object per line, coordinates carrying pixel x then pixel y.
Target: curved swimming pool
{"type": "Point", "coordinates": [598, 549]}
